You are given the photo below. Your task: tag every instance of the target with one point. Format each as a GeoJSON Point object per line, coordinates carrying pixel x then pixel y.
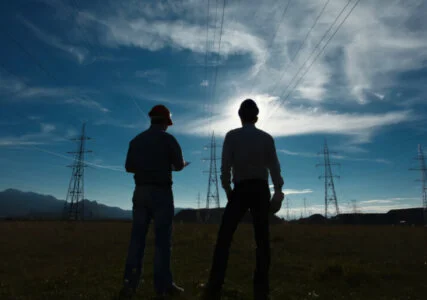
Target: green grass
{"type": "Point", "coordinates": [54, 260]}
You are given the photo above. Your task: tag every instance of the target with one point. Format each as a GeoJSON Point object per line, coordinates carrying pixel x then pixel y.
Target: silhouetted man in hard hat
{"type": "Point", "coordinates": [250, 154]}
{"type": "Point", "coordinates": [152, 156]}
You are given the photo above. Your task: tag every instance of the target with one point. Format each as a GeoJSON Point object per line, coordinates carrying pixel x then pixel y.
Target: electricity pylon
{"type": "Point", "coordinates": [212, 197]}
{"type": "Point", "coordinates": [198, 208]}
{"type": "Point", "coordinates": [330, 194]}
{"type": "Point", "coordinates": [287, 208]}
{"type": "Point", "coordinates": [423, 180]}
{"type": "Point", "coordinates": [74, 205]}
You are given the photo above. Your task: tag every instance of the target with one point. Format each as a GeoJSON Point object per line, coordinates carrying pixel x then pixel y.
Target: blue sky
{"type": "Point", "coordinates": [108, 62]}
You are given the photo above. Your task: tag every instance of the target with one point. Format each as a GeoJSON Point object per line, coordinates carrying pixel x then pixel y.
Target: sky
{"type": "Point", "coordinates": [352, 73]}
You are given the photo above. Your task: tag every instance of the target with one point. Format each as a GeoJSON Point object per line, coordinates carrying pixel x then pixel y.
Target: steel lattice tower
{"type": "Point", "coordinates": [212, 197]}
{"type": "Point", "coordinates": [287, 208]}
{"type": "Point", "coordinates": [198, 208]}
{"type": "Point", "coordinates": [74, 205]}
{"type": "Point", "coordinates": [330, 194]}
{"type": "Point", "coordinates": [423, 180]}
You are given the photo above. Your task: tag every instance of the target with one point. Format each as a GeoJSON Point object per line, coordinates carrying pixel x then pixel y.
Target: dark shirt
{"type": "Point", "coordinates": [151, 156]}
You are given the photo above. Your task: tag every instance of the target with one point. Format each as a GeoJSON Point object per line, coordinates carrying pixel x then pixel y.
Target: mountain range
{"type": "Point", "coordinates": [18, 204]}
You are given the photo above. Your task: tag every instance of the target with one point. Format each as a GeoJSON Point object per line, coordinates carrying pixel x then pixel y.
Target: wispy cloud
{"type": "Point", "coordinates": [368, 50]}
{"type": "Point", "coordinates": [295, 191]}
{"type": "Point", "coordinates": [155, 76]}
{"type": "Point", "coordinates": [79, 53]}
{"type": "Point", "coordinates": [46, 135]}
{"type": "Point", "coordinates": [67, 95]}
{"type": "Point", "coordinates": [386, 201]}
{"type": "Point", "coordinates": [334, 156]}
{"type": "Point", "coordinates": [292, 153]}
{"type": "Point", "coordinates": [296, 207]}
{"type": "Point", "coordinates": [204, 83]}
{"type": "Point", "coordinates": [289, 120]}
{"type": "Point", "coordinates": [121, 124]}
{"type": "Point", "coordinates": [87, 102]}
{"type": "Point", "coordinates": [94, 163]}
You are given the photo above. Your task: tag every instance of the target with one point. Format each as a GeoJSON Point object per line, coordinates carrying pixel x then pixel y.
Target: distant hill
{"type": "Point", "coordinates": [409, 216]}
{"type": "Point", "coordinates": [213, 216]}
{"type": "Point", "coordinates": [18, 204]}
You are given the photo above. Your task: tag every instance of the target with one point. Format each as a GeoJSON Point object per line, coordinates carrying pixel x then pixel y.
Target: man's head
{"type": "Point", "coordinates": [160, 115]}
{"type": "Point", "coordinates": [248, 111]}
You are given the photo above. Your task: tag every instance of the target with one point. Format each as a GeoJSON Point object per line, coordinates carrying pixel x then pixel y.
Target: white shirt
{"type": "Point", "coordinates": [249, 153]}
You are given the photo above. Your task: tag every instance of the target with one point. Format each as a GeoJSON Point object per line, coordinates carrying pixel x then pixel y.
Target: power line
{"type": "Point", "coordinates": [317, 56]}
{"type": "Point", "coordinates": [279, 24]}
{"type": "Point", "coordinates": [77, 9]}
{"type": "Point", "coordinates": [29, 54]}
{"type": "Point", "coordinates": [270, 44]}
{"type": "Point", "coordinates": [218, 56]}
{"type": "Point", "coordinates": [301, 45]}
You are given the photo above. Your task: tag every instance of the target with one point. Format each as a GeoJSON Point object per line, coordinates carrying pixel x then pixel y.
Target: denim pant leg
{"type": "Point", "coordinates": [234, 211]}
{"type": "Point", "coordinates": [259, 207]}
{"type": "Point", "coordinates": [141, 217]}
{"type": "Point", "coordinates": [163, 216]}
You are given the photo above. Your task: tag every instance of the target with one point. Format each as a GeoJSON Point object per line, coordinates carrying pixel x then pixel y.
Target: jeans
{"type": "Point", "coordinates": [151, 202]}
{"type": "Point", "coordinates": [255, 196]}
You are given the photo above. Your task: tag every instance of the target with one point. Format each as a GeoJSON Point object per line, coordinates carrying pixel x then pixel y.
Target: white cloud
{"type": "Point", "coordinates": [334, 156]}
{"type": "Point", "coordinates": [386, 201]}
{"type": "Point", "coordinates": [294, 191]}
{"type": "Point", "coordinates": [117, 123]}
{"type": "Point", "coordinates": [204, 83]}
{"type": "Point", "coordinates": [292, 153]}
{"type": "Point", "coordinates": [79, 53]}
{"type": "Point", "coordinates": [47, 128]}
{"type": "Point", "coordinates": [377, 42]}
{"type": "Point", "coordinates": [46, 135]}
{"type": "Point", "coordinates": [155, 76]}
{"type": "Point", "coordinates": [367, 206]}
{"type": "Point", "coordinates": [87, 102]}
{"type": "Point", "coordinates": [289, 120]}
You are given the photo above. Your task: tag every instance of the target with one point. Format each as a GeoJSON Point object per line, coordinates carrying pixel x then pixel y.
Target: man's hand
{"type": "Point", "coordinates": [276, 201]}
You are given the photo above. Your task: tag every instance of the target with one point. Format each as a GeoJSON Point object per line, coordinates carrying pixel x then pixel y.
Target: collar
{"type": "Point", "coordinates": [248, 125]}
{"type": "Point", "coordinates": [156, 127]}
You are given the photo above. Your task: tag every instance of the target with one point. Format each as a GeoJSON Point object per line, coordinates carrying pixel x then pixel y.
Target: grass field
{"type": "Point", "coordinates": [54, 260]}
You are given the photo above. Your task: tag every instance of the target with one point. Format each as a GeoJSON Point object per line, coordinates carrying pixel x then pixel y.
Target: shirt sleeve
{"type": "Point", "coordinates": [274, 167]}
{"type": "Point", "coordinates": [130, 158]}
{"type": "Point", "coordinates": [226, 162]}
{"type": "Point", "coordinates": [177, 159]}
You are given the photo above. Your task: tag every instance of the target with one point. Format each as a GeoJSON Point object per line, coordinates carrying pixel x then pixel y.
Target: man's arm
{"type": "Point", "coordinates": [274, 167]}
{"type": "Point", "coordinates": [226, 163]}
{"type": "Point", "coordinates": [130, 158]}
{"type": "Point", "coordinates": [177, 159]}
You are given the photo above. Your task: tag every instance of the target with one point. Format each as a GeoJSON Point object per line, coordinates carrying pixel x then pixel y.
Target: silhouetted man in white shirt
{"type": "Point", "coordinates": [250, 154]}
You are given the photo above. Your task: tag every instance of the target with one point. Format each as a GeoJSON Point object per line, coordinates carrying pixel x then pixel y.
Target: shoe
{"type": "Point", "coordinates": [126, 293]}
{"type": "Point", "coordinates": [208, 294]}
{"type": "Point", "coordinates": [174, 290]}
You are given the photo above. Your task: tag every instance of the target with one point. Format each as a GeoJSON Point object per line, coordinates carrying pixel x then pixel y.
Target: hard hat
{"type": "Point", "coordinates": [161, 111]}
